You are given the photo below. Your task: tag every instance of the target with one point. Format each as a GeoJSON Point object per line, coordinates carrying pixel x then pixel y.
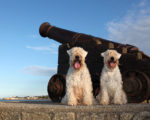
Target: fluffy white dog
{"type": "Point", "coordinates": [78, 80]}
{"type": "Point", "coordinates": [111, 80]}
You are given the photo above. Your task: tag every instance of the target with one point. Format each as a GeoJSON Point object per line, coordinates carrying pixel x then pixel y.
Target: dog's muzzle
{"type": "Point", "coordinates": [112, 62]}
{"type": "Point", "coordinates": [77, 62]}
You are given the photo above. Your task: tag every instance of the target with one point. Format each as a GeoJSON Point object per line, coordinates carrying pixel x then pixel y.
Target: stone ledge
{"type": "Point", "coordinates": [51, 111]}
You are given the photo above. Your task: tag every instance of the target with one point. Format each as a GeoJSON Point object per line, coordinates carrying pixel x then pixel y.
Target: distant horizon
{"type": "Point", "coordinates": [23, 96]}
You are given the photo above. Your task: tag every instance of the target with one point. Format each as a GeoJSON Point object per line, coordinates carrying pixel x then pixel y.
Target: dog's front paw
{"type": "Point", "coordinates": [72, 103]}
{"type": "Point", "coordinates": [104, 103]}
{"type": "Point", "coordinates": [87, 102]}
{"type": "Point", "coordinates": [118, 102]}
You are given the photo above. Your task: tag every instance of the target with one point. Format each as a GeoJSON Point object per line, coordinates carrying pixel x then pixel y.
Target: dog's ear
{"type": "Point", "coordinates": [85, 53]}
{"type": "Point", "coordinates": [69, 52]}
{"type": "Point", "coordinates": [118, 55]}
{"type": "Point", "coordinates": [103, 54]}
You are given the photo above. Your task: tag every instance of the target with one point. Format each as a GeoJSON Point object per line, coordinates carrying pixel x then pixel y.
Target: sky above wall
{"type": "Point", "coordinates": [28, 61]}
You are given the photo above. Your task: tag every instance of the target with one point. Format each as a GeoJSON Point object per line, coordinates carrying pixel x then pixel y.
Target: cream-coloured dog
{"type": "Point", "coordinates": [78, 80]}
{"type": "Point", "coordinates": [111, 81]}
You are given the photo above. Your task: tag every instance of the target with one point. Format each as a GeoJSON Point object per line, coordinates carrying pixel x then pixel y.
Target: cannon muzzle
{"type": "Point", "coordinates": [44, 28]}
{"type": "Point", "coordinates": [58, 34]}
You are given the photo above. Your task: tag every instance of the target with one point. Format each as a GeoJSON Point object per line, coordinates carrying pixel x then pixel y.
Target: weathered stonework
{"type": "Point", "coordinates": [35, 116]}
{"type": "Point", "coordinates": [97, 116]}
{"type": "Point", "coordinates": [64, 116]}
{"type": "Point", "coordinates": [142, 116]}
{"type": "Point", "coordinates": [111, 116]}
{"type": "Point", "coordinates": [126, 116]}
{"type": "Point", "coordinates": [10, 115]}
{"type": "Point", "coordinates": [51, 111]}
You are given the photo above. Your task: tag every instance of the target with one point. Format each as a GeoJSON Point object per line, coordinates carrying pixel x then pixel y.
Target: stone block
{"type": "Point", "coordinates": [98, 116]}
{"type": "Point", "coordinates": [10, 116]}
{"type": "Point", "coordinates": [83, 116]}
{"type": "Point", "coordinates": [126, 116]}
{"type": "Point", "coordinates": [90, 116]}
{"type": "Point", "coordinates": [113, 116]}
{"type": "Point", "coordinates": [36, 116]}
{"type": "Point", "coordinates": [64, 116]}
{"type": "Point", "coordinates": [142, 116]}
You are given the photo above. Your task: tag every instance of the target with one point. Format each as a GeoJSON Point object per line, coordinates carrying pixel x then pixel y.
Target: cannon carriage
{"type": "Point", "coordinates": [134, 64]}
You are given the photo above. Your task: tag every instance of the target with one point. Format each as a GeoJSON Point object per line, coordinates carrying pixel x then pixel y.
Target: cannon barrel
{"type": "Point", "coordinates": [66, 36]}
{"type": "Point", "coordinates": [62, 35]}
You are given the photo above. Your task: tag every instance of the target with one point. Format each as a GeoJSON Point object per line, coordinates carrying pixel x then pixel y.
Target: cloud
{"type": "Point", "coordinates": [39, 70]}
{"type": "Point", "coordinates": [34, 36]}
{"type": "Point", "coordinates": [53, 48]}
{"type": "Point", "coordinates": [39, 48]}
{"type": "Point", "coordinates": [133, 28]}
{"type": "Point", "coordinates": [142, 3]}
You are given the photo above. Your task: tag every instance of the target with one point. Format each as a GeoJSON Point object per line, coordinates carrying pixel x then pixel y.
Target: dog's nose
{"type": "Point", "coordinates": [77, 57]}
{"type": "Point", "coordinates": [112, 58]}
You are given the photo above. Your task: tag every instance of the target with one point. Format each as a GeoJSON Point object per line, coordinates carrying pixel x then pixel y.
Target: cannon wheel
{"type": "Point", "coordinates": [136, 85]}
{"type": "Point", "coordinates": [56, 87]}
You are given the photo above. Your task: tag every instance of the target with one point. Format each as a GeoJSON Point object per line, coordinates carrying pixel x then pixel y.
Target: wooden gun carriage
{"type": "Point", "coordinates": [134, 64]}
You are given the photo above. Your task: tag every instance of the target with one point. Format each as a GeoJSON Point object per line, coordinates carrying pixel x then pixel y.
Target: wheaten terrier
{"type": "Point", "coordinates": [78, 79]}
{"type": "Point", "coordinates": [111, 80]}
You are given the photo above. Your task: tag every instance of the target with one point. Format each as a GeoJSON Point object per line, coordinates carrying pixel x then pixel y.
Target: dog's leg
{"type": "Point", "coordinates": [119, 97]}
{"type": "Point", "coordinates": [104, 98]}
{"type": "Point", "coordinates": [87, 96]}
{"type": "Point", "coordinates": [124, 97]}
{"type": "Point", "coordinates": [72, 100]}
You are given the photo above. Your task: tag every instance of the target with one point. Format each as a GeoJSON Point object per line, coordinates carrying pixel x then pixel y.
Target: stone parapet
{"type": "Point", "coordinates": [51, 111]}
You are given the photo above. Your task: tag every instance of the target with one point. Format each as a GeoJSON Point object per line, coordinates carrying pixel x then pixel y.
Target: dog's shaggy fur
{"type": "Point", "coordinates": [78, 79]}
{"type": "Point", "coordinates": [111, 80]}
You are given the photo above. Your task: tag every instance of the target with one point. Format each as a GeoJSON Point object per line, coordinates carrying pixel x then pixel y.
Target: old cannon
{"type": "Point", "coordinates": [134, 64]}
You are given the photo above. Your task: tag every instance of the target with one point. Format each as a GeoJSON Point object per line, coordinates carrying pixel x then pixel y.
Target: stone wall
{"type": "Point", "coordinates": [51, 111]}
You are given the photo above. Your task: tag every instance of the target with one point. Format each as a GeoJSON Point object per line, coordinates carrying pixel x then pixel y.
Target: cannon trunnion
{"type": "Point", "coordinates": [134, 64]}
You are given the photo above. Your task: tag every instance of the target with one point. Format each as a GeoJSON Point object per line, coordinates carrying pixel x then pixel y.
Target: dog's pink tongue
{"type": "Point", "coordinates": [112, 64]}
{"type": "Point", "coordinates": [77, 65]}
